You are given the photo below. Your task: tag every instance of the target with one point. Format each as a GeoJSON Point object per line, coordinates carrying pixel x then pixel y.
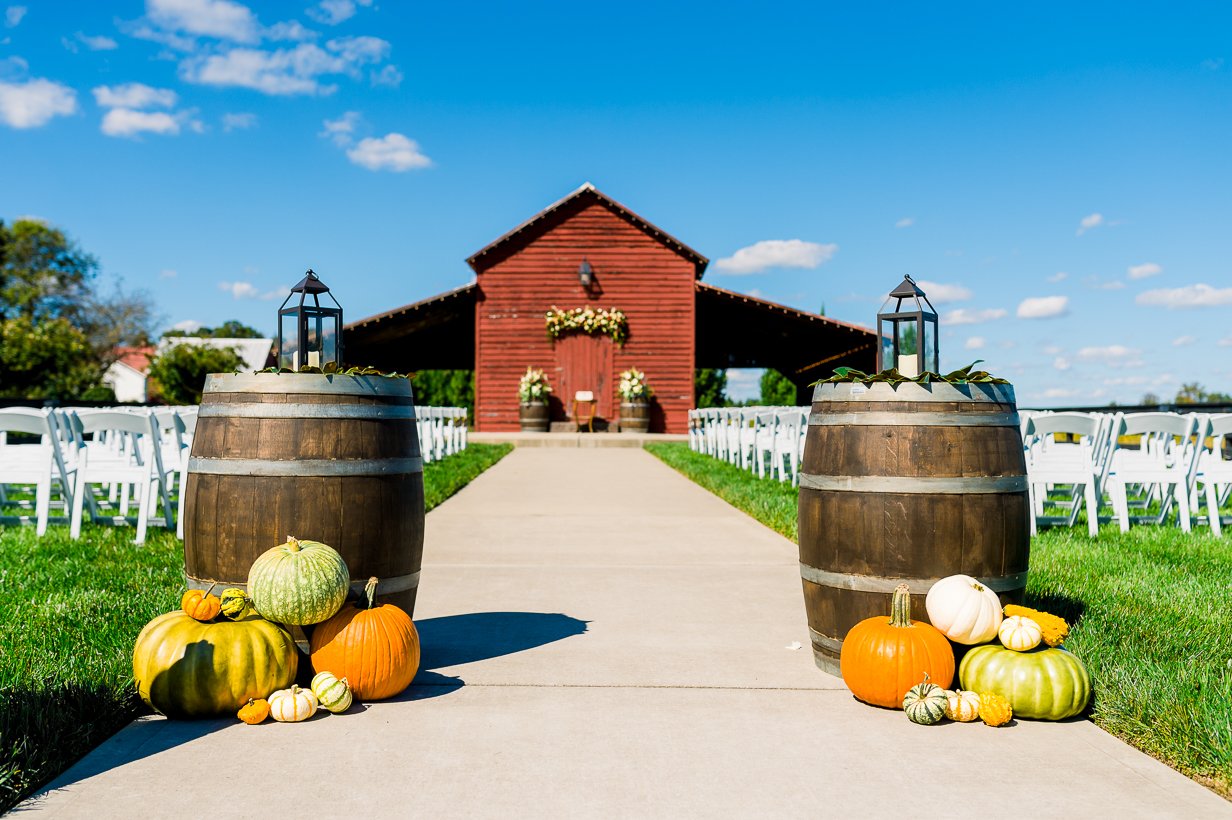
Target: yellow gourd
{"type": "Point", "coordinates": [1053, 629]}
{"type": "Point", "coordinates": [254, 711]}
{"type": "Point", "coordinates": [994, 709]}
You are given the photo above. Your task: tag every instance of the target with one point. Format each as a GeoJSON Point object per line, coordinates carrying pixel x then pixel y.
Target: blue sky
{"type": "Point", "coordinates": [1059, 173]}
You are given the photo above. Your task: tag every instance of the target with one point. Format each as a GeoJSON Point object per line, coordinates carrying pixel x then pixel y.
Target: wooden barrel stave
{"type": "Point", "coordinates": [957, 455]}
{"type": "Point", "coordinates": [375, 521]}
{"type": "Point", "coordinates": [634, 417]}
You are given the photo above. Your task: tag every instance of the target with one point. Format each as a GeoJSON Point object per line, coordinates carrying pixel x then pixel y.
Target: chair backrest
{"type": "Point", "coordinates": [17, 421]}
{"type": "Point", "coordinates": [1079, 424]}
{"type": "Point", "coordinates": [1146, 424]}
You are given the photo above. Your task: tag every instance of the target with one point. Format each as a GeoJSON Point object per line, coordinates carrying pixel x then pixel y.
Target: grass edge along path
{"type": "Point", "coordinates": [1148, 609]}
{"type": "Point", "coordinates": [71, 612]}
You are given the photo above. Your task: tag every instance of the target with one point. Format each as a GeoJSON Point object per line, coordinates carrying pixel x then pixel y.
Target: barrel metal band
{"type": "Point", "coordinates": [314, 383]}
{"type": "Point", "coordinates": [307, 411]}
{"type": "Point", "coordinates": [882, 419]}
{"type": "Point", "coordinates": [384, 586]}
{"type": "Point", "coordinates": [917, 586]}
{"type": "Point", "coordinates": [963, 485]}
{"type": "Point", "coordinates": [982, 392]}
{"type": "Point", "coordinates": [305, 467]}
{"type": "Point", "coordinates": [827, 664]}
{"type": "Point", "coordinates": [833, 644]}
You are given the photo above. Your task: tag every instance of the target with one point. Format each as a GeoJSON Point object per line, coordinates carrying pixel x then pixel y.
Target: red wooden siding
{"type": "Point", "coordinates": [635, 272]}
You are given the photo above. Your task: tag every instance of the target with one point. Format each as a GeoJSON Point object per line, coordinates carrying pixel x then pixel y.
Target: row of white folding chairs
{"type": "Point", "coordinates": [128, 451]}
{"type": "Point", "coordinates": [765, 440]}
{"type": "Point", "coordinates": [442, 431]}
{"type": "Point", "coordinates": [1180, 459]}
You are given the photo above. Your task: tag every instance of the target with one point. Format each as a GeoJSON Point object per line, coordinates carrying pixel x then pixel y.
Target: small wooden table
{"type": "Point", "coordinates": [586, 399]}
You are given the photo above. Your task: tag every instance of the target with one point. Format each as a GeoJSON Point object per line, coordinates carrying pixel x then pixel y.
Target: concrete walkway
{"type": "Point", "coordinates": [602, 638]}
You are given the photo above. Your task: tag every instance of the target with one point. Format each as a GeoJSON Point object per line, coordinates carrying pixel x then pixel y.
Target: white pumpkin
{"type": "Point", "coordinates": [292, 705]}
{"type": "Point", "coordinates": [1020, 633]}
{"type": "Point", "coordinates": [964, 610]}
{"type": "Point", "coordinates": [961, 705]}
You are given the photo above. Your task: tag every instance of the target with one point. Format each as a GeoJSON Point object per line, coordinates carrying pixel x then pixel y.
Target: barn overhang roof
{"type": "Point", "coordinates": [437, 333]}
{"type": "Point", "coordinates": [735, 330]}
{"type": "Point", "coordinates": [532, 228]}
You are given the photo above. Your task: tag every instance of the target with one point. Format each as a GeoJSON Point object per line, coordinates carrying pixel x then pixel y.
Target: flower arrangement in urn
{"type": "Point", "coordinates": [533, 392]}
{"type": "Point", "coordinates": [635, 396]}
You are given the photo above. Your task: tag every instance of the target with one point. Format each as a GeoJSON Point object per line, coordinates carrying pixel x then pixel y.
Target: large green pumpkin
{"type": "Point", "coordinates": [1044, 683]}
{"type": "Point", "coordinates": [299, 582]}
{"type": "Point", "coordinates": [187, 669]}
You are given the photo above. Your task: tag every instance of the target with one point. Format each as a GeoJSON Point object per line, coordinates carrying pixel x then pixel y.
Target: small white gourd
{"type": "Point", "coordinates": [962, 706]}
{"type": "Point", "coordinates": [1020, 633]}
{"type": "Point", "coordinates": [292, 705]}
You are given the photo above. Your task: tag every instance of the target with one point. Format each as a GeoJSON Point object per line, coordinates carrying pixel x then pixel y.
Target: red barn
{"type": "Point", "coordinates": [675, 323]}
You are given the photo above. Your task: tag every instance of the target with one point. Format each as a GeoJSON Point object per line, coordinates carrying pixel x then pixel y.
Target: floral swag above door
{"type": "Point", "coordinates": [587, 320]}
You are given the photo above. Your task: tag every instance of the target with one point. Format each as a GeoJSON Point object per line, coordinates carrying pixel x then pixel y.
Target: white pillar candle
{"type": "Point", "coordinates": [909, 364]}
{"type": "Point", "coordinates": [314, 358]}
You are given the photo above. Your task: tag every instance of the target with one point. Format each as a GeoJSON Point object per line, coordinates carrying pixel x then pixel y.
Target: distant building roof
{"type": "Point", "coordinates": [137, 358]}
{"type": "Point", "coordinates": [254, 352]}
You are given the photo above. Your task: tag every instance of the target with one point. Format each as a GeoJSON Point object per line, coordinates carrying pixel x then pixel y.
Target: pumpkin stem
{"type": "Point", "coordinates": [292, 543]}
{"type": "Point", "coordinates": [209, 589]}
{"type": "Point", "coordinates": [900, 607]}
{"type": "Point", "coordinates": [370, 590]}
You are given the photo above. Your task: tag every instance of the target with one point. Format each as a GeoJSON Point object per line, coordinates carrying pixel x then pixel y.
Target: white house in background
{"type": "Point", "coordinates": [127, 375]}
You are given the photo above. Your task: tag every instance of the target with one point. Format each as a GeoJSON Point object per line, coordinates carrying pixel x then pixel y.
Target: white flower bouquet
{"type": "Point", "coordinates": [533, 386]}
{"type": "Point", "coordinates": [633, 385]}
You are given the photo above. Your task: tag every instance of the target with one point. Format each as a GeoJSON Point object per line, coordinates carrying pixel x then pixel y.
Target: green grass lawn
{"type": "Point", "coordinates": [71, 612]}
{"type": "Point", "coordinates": [1148, 611]}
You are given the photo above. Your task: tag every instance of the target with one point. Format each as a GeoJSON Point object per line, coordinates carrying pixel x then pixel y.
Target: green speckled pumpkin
{"type": "Point", "coordinates": [188, 669]}
{"type": "Point", "coordinates": [234, 603]}
{"type": "Point", "coordinates": [925, 703]}
{"type": "Point", "coordinates": [299, 582]}
{"type": "Point", "coordinates": [333, 692]}
{"type": "Point", "coordinates": [1043, 684]}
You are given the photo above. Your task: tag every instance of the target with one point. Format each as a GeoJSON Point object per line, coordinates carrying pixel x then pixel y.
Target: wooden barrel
{"type": "Point", "coordinates": [634, 416]}
{"type": "Point", "coordinates": [907, 485]}
{"type": "Point", "coordinates": [533, 416]}
{"type": "Point", "coordinates": [328, 458]}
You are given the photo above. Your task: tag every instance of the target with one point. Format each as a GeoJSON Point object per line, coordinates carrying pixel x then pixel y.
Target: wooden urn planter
{"type": "Point", "coordinates": [635, 416]}
{"type": "Point", "coordinates": [533, 416]}
{"type": "Point", "coordinates": [907, 485]}
{"type": "Point", "coordinates": [329, 458]}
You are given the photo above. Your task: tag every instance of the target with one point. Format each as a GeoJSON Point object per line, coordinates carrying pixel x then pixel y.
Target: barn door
{"type": "Point", "coordinates": [584, 362]}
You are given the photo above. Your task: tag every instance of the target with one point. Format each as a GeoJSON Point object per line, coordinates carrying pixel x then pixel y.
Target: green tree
{"type": "Point", "coordinates": [230, 329]}
{"type": "Point", "coordinates": [1194, 393]}
{"type": "Point", "coordinates": [777, 389]}
{"type": "Point", "coordinates": [43, 274]}
{"type": "Point", "coordinates": [47, 359]}
{"type": "Point", "coordinates": [177, 375]}
{"type": "Point", "coordinates": [709, 387]}
{"type": "Point", "coordinates": [445, 388]}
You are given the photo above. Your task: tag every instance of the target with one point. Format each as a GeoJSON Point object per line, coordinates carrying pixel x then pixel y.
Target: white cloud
{"type": "Point", "coordinates": [1112, 355]}
{"type": "Point", "coordinates": [342, 130]}
{"type": "Point", "coordinates": [238, 122]}
{"type": "Point", "coordinates": [125, 122]}
{"type": "Point", "coordinates": [1212, 64]}
{"type": "Point", "coordinates": [92, 43]}
{"type": "Point", "coordinates": [295, 70]}
{"type": "Point", "coordinates": [905, 222]}
{"type": "Point", "coordinates": [168, 273]}
{"type": "Point", "coordinates": [1059, 393]}
{"type": "Point", "coordinates": [388, 76]}
{"type": "Point", "coordinates": [1061, 363]}
{"type": "Point", "coordinates": [1190, 296]}
{"type": "Point", "coordinates": [1090, 221]}
{"type": "Point", "coordinates": [1183, 341]}
{"type": "Point", "coordinates": [1144, 270]}
{"type": "Point", "coordinates": [1226, 341]}
{"type": "Point", "coordinates": [247, 290]}
{"type": "Point", "coordinates": [1043, 307]}
{"type": "Point", "coordinates": [13, 15]}
{"type": "Point", "coordinates": [188, 326]}
{"type": "Point", "coordinates": [134, 95]}
{"type": "Point", "coordinates": [777, 253]}
{"type": "Point", "coordinates": [392, 152]}
{"type": "Point", "coordinates": [333, 12]}
{"type": "Point", "coordinates": [34, 102]}
{"type": "Point", "coordinates": [1115, 284]}
{"type": "Point", "coordinates": [1052, 350]}
{"type": "Point", "coordinates": [222, 19]}
{"type": "Point", "coordinates": [940, 294]}
{"type": "Point", "coordinates": [1059, 276]}
{"type": "Point", "coordinates": [974, 343]}
{"type": "Point", "coordinates": [290, 30]}
{"type": "Point", "coordinates": [971, 316]}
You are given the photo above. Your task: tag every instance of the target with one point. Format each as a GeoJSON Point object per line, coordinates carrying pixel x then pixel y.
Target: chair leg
{"type": "Point", "coordinates": [1212, 509]}
{"type": "Point", "coordinates": [143, 512]}
{"type": "Point", "coordinates": [1182, 505]}
{"type": "Point", "coordinates": [1120, 503]}
{"type": "Point", "coordinates": [1092, 510]}
{"type": "Point", "coordinates": [42, 504]}
{"type": "Point", "coordinates": [79, 497]}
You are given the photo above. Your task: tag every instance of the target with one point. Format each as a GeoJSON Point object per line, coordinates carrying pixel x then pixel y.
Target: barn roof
{"type": "Point", "coordinates": [437, 332]}
{"type": "Point", "coordinates": [526, 232]}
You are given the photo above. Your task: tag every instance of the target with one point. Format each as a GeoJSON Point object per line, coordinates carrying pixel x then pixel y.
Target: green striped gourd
{"type": "Point", "coordinates": [333, 692]}
{"type": "Point", "coordinates": [299, 582]}
{"type": "Point", "coordinates": [234, 603]}
{"type": "Point", "coordinates": [925, 703]}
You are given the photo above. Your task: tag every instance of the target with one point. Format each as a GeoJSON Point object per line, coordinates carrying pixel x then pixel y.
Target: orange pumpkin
{"type": "Point", "coordinates": [376, 648]}
{"type": "Point", "coordinates": [883, 657]}
{"type": "Point", "coordinates": [254, 711]}
{"type": "Point", "coordinates": [200, 605]}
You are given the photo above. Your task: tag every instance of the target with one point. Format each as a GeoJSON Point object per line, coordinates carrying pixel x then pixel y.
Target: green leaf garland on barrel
{"type": "Point", "coordinates": [1043, 684]}
{"type": "Point", "coordinates": [188, 669]}
{"type": "Point", "coordinates": [299, 582]}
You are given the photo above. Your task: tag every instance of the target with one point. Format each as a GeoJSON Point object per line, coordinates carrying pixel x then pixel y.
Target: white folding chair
{"type": "Point", "coordinates": [1215, 468]}
{"type": "Point", "coordinates": [765, 441]}
{"type": "Point", "coordinates": [1051, 461]}
{"type": "Point", "coordinates": [138, 463]}
{"type": "Point", "coordinates": [1163, 459]}
{"type": "Point", "coordinates": [31, 463]}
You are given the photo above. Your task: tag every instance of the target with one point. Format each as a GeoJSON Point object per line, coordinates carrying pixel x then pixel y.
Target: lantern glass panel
{"type": "Point", "coordinates": [928, 350]}
{"type": "Point", "coordinates": [908, 362]}
{"type": "Point", "coordinates": [288, 353]}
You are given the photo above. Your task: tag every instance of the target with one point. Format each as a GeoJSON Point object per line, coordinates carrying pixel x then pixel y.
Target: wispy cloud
{"type": "Point", "coordinates": [333, 12]}
{"type": "Point", "coordinates": [125, 122]}
{"type": "Point", "coordinates": [974, 343]}
{"type": "Point", "coordinates": [168, 273]}
{"type": "Point", "coordinates": [1183, 341]}
{"type": "Point", "coordinates": [1060, 393]}
{"type": "Point", "coordinates": [777, 253]}
{"type": "Point", "coordinates": [1212, 64]}
{"type": "Point", "coordinates": [222, 19]}
{"type": "Point", "coordinates": [188, 326]}
{"type": "Point", "coordinates": [1112, 355]}
{"type": "Point", "coordinates": [342, 130]}
{"type": "Point", "coordinates": [134, 95]}
{"type": "Point", "coordinates": [1144, 270]}
{"type": "Point", "coordinates": [129, 115]}
{"type": "Point", "coordinates": [286, 71]}
{"type": "Point", "coordinates": [392, 152]}
{"type": "Point", "coordinates": [13, 16]}
{"type": "Point", "coordinates": [1190, 296]}
{"type": "Point", "coordinates": [35, 102]}
{"type": "Point", "coordinates": [1059, 276]}
{"type": "Point", "coordinates": [971, 316]}
{"type": "Point", "coordinates": [92, 43]}
{"type": "Point", "coordinates": [905, 222]}
{"type": "Point", "coordinates": [940, 294]}
{"type": "Point", "coordinates": [1089, 222]}
{"type": "Point", "coordinates": [1061, 363]}
{"type": "Point", "coordinates": [247, 290]}
{"type": "Point", "coordinates": [238, 121]}
{"type": "Point", "coordinates": [1043, 307]}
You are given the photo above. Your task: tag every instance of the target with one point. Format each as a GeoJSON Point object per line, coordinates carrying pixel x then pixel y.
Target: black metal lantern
{"type": "Point", "coordinates": [309, 334]}
{"type": "Point", "coordinates": [908, 332]}
{"type": "Point", "coordinates": [586, 274]}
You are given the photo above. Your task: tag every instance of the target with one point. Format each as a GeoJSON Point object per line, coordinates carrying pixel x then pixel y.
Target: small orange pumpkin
{"type": "Point", "coordinates": [883, 657]}
{"type": "Point", "coordinates": [375, 648]}
{"type": "Point", "coordinates": [200, 605]}
{"type": "Point", "coordinates": [254, 711]}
